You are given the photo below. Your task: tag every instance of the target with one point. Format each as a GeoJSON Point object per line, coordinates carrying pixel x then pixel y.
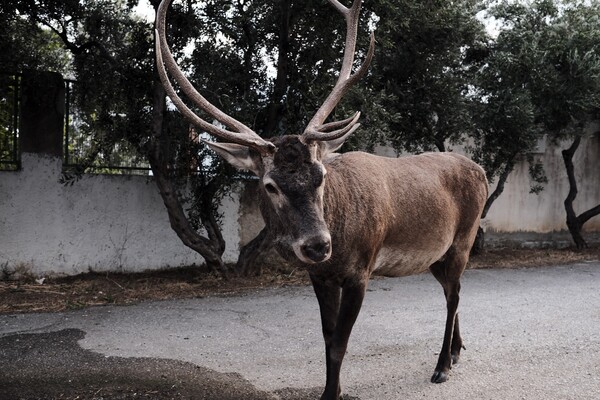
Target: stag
{"type": "Point", "coordinates": [343, 217]}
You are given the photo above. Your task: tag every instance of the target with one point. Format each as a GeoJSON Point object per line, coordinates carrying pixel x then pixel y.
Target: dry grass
{"type": "Point", "coordinates": [94, 289]}
{"type": "Point", "coordinates": [524, 258]}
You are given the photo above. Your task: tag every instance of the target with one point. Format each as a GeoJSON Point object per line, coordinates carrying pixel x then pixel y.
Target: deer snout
{"type": "Point", "coordinates": [316, 249]}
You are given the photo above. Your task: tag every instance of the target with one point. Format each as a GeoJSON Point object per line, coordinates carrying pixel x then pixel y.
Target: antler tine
{"type": "Point", "coordinates": [240, 133]}
{"type": "Point", "coordinates": [331, 126]}
{"type": "Point", "coordinates": [316, 130]}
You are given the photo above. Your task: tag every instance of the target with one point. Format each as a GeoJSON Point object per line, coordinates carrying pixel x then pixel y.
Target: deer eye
{"type": "Point", "coordinates": [270, 188]}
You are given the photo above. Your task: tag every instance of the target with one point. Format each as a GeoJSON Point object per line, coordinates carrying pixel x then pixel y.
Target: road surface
{"type": "Point", "coordinates": [529, 334]}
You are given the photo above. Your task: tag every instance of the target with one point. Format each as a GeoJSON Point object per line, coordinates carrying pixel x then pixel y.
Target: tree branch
{"type": "Point", "coordinates": [499, 187]}
{"type": "Point", "coordinates": [72, 47]}
{"type": "Point", "coordinates": [177, 218]}
{"type": "Point", "coordinates": [585, 216]}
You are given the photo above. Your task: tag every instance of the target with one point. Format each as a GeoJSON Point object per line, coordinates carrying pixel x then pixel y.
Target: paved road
{"type": "Point", "coordinates": [529, 333]}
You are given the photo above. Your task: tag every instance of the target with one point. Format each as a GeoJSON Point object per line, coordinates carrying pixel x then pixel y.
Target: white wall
{"type": "Point", "coordinates": [516, 210]}
{"type": "Point", "coordinates": [100, 223]}
{"type": "Point", "coordinates": [119, 223]}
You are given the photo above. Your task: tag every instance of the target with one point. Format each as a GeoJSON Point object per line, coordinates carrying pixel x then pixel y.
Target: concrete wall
{"type": "Point", "coordinates": [523, 216]}
{"type": "Point", "coordinates": [119, 223]}
{"type": "Point", "coordinates": [100, 223]}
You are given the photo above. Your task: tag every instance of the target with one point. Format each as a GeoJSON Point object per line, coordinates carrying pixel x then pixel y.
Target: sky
{"type": "Point", "coordinates": [144, 10]}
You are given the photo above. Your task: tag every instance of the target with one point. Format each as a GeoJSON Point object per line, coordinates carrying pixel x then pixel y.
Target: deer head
{"type": "Point", "coordinates": [290, 168]}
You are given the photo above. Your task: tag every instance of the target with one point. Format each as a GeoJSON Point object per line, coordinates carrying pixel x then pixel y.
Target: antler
{"type": "Point", "coordinates": [238, 133]}
{"type": "Point", "coordinates": [316, 130]}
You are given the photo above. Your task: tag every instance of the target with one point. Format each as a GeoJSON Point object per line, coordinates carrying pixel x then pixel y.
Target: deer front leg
{"type": "Point", "coordinates": [338, 316]}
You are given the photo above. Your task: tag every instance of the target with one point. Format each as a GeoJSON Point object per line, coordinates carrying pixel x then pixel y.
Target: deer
{"type": "Point", "coordinates": [346, 216]}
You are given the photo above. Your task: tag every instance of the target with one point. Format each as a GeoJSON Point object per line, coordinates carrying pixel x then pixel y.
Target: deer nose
{"type": "Point", "coordinates": [317, 248]}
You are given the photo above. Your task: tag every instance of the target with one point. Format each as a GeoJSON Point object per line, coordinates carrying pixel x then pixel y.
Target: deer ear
{"type": "Point", "coordinates": [241, 157]}
{"type": "Point", "coordinates": [330, 146]}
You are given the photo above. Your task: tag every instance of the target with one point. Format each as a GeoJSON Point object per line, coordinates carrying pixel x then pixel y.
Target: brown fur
{"type": "Point", "coordinates": [344, 217]}
{"type": "Point", "coordinates": [388, 216]}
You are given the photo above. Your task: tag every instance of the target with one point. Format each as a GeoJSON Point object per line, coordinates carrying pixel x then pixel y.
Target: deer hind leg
{"type": "Point", "coordinates": [338, 314]}
{"type": "Point", "coordinates": [448, 273]}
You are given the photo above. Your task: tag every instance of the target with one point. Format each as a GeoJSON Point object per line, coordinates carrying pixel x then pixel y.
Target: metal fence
{"type": "Point", "coordinates": [10, 95]}
{"type": "Point", "coordinates": [80, 148]}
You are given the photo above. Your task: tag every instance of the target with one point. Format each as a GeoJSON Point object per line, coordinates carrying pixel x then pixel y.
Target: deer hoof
{"type": "Point", "coordinates": [439, 377]}
{"type": "Point", "coordinates": [338, 396]}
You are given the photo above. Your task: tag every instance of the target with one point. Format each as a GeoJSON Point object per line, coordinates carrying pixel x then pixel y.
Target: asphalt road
{"type": "Point", "coordinates": [529, 334]}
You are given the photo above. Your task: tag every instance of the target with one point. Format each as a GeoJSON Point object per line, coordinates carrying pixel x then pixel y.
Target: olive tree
{"type": "Point", "coordinates": [553, 48]}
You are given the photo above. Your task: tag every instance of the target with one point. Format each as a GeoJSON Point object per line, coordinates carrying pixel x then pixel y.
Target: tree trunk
{"type": "Point", "coordinates": [211, 250]}
{"type": "Point", "coordinates": [281, 80]}
{"type": "Point", "coordinates": [574, 222]}
{"type": "Point", "coordinates": [179, 222]}
{"type": "Point", "coordinates": [480, 238]}
{"type": "Point", "coordinates": [499, 187]}
{"type": "Point", "coordinates": [479, 242]}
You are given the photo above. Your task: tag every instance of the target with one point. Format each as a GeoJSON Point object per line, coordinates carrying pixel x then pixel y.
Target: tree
{"type": "Point", "coordinates": [573, 98]}
{"type": "Point", "coordinates": [553, 48]}
{"type": "Point", "coordinates": [122, 102]}
{"type": "Point", "coordinates": [507, 127]}
{"type": "Point", "coordinates": [23, 47]}
{"type": "Point", "coordinates": [419, 77]}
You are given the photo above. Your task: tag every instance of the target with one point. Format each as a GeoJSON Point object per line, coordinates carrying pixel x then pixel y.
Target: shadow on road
{"type": "Point", "coordinates": [54, 366]}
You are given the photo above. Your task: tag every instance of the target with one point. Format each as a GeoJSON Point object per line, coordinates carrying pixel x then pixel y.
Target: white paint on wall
{"type": "Point", "coordinates": [119, 222]}
{"type": "Point", "coordinates": [517, 210]}
{"type": "Point", "coordinates": [100, 223]}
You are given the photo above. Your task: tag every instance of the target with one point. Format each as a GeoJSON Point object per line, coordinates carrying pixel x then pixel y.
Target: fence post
{"type": "Point", "coordinates": [42, 113]}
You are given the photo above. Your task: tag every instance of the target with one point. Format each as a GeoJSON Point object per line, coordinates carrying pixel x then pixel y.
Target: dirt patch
{"type": "Point", "coordinates": [94, 289]}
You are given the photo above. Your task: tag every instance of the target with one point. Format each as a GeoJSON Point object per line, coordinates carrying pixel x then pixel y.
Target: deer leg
{"type": "Point", "coordinates": [328, 297]}
{"type": "Point", "coordinates": [448, 273]}
{"type": "Point", "coordinates": [457, 343]}
{"type": "Point", "coordinates": [438, 271]}
{"type": "Point", "coordinates": [338, 316]}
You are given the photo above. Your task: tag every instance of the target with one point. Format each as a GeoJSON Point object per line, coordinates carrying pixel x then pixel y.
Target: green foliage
{"type": "Point", "coordinates": [28, 46]}
{"type": "Point", "coordinates": [420, 74]}
{"type": "Point", "coordinates": [554, 51]}
{"type": "Point", "coordinates": [505, 115]}
{"type": "Point", "coordinates": [239, 55]}
{"type": "Point", "coordinates": [541, 75]}
{"type": "Point", "coordinates": [8, 123]}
